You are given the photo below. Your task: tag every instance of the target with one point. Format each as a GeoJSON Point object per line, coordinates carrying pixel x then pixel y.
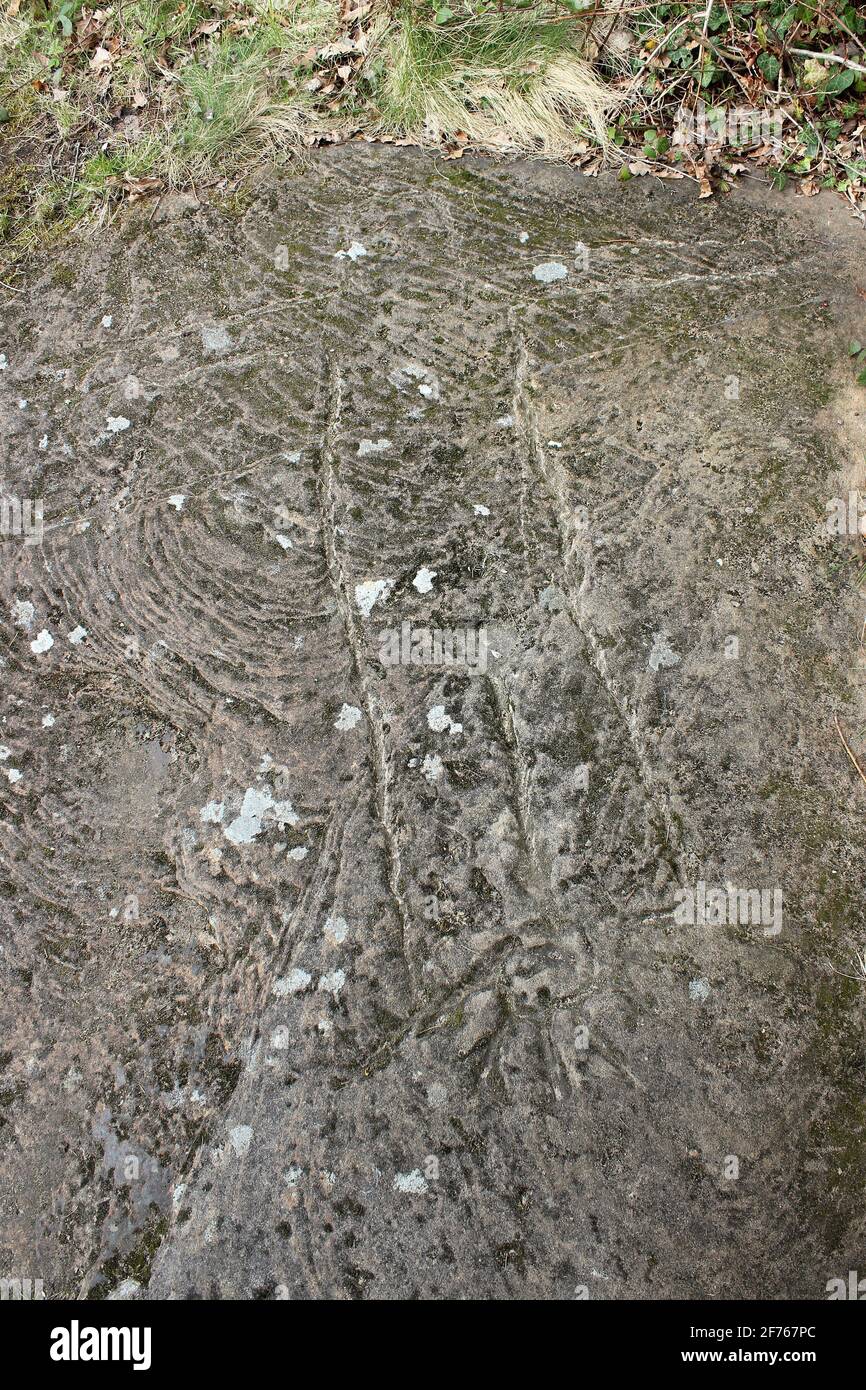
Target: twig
{"type": "Point", "coordinates": [847, 747]}
{"type": "Point", "coordinates": [829, 58]}
{"type": "Point", "coordinates": [74, 173]}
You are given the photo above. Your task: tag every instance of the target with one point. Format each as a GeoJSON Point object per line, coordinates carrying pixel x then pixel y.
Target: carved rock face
{"type": "Point", "coordinates": [426, 633]}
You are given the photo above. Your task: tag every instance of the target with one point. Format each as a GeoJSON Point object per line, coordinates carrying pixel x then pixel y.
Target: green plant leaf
{"type": "Point", "coordinates": [839, 81]}
{"type": "Point", "coordinates": [769, 65]}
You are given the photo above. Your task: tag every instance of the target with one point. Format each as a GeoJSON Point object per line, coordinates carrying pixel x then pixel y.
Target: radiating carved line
{"type": "Point", "coordinates": [327, 480]}
{"type": "Point", "coordinates": [572, 544]}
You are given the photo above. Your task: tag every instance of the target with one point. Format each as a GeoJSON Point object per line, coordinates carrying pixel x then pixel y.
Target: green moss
{"type": "Point", "coordinates": [136, 1264]}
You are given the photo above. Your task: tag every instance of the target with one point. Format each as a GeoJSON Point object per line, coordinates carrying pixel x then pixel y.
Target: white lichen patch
{"type": "Point", "coordinates": [423, 580]}
{"type": "Point", "coordinates": [23, 613]}
{"type": "Point", "coordinates": [549, 271]}
{"type": "Point", "coordinates": [373, 446]}
{"type": "Point", "coordinates": [240, 1138]}
{"type": "Point", "coordinates": [432, 767]}
{"type": "Point", "coordinates": [295, 982]}
{"type": "Point", "coordinates": [42, 642]}
{"type": "Point", "coordinates": [662, 653]}
{"type": "Point", "coordinates": [370, 592]}
{"type": "Point", "coordinates": [212, 813]}
{"type": "Point", "coordinates": [280, 1038]}
{"type": "Point", "coordinates": [177, 500]}
{"type": "Point", "coordinates": [410, 373]}
{"type": "Point", "coordinates": [441, 723]}
{"type": "Point", "coordinates": [332, 983]}
{"type": "Point", "coordinates": [48, 721]}
{"type": "Point", "coordinates": [258, 809]}
{"type": "Point", "coordinates": [437, 1095]}
{"type": "Point", "coordinates": [116, 424]}
{"type": "Point", "coordinates": [107, 320]}
{"type": "Point", "coordinates": [284, 541]}
{"type": "Point", "coordinates": [480, 510]}
{"type": "Point", "coordinates": [413, 1182]}
{"type": "Point", "coordinates": [347, 718]}
{"type": "Point", "coordinates": [215, 338]}
{"type": "Point", "coordinates": [699, 990]}
{"type": "Point", "coordinates": [336, 930]}
{"type": "Point", "coordinates": [298, 853]}
{"type": "Point", "coordinates": [354, 253]}
{"type": "Point", "coordinates": [77, 635]}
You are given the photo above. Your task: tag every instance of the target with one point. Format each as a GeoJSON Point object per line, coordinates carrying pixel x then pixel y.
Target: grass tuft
{"type": "Point", "coordinates": [517, 79]}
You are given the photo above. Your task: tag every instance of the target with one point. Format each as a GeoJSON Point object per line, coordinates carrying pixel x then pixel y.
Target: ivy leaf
{"type": "Point", "coordinates": [769, 66]}
{"type": "Point", "coordinates": [840, 81]}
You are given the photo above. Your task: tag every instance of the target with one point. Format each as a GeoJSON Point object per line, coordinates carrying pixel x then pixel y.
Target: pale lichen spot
{"type": "Point", "coordinates": [370, 592]}
{"type": "Point", "coordinates": [432, 767]}
{"type": "Point", "coordinates": [240, 1138]}
{"type": "Point", "coordinates": [373, 446]}
{"type": "Point", "coordinates": [355, 252]}
{"type": "Point", "coordinates": [437, 1095]}
{"type": "Point", "coordinates": [441, 723]}
{"type": "Point", "coordinates": [348, 717]}
{"type": "Point", "coordinates": [549, 271]}
{"type": "Point", "coordinates": [423, 580]}
{"type": "Point", "coordinates": [23, 613]}
{"type": "Point", "coordinates": [413, 1182]}
{"type": "Point", "coordinates": [332, 983]}
{"type": "Point", "coordinates": [295, 982]}
{"type": "Point", "coordinates": [257, 808]}
{"type": "Point", "coordinates": [215, 338]}
{"type": "Point", "coordinates": [662, 653]}
{"type": "Point", "coordinates": [336, 930]}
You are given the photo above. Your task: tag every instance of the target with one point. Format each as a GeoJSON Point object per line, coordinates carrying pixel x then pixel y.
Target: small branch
{"type": "Point", "coordinates": [829, 58]}
{"type": "Point", "coordinates": [847, 748]}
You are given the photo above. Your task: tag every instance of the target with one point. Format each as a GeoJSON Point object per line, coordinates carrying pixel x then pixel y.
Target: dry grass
{"type": "Point", "coordinates": [101, 105]}
{"type": "Point", "coordinates": [519, 81]}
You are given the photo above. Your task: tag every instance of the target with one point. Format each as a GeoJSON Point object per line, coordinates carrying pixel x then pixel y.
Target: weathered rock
{"type": "Point", "coordinates": [332, 975]}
